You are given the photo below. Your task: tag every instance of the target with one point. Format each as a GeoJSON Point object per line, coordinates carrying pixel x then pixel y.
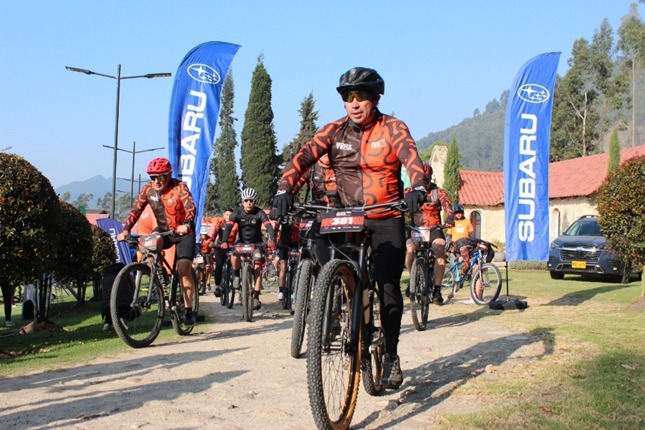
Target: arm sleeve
{"type": "Point", "coordinates": [407, 153]}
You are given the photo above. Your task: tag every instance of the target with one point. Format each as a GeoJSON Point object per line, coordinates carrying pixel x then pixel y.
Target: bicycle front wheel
{"type": "Point", "coordinates": [136, 305]}
{"type": "Point", "coordinates": [178, 308]}
{"type": "Point", "coordinates": [304, 283]}
{"type": "Point", "coordinates": [248, 284]}
{"type": "Point", "coordinates": [288, 288]}
{"type": "Point", "coordinates": [419, 294]}
{"type": "Point", "coordinates": [333, 365]}
{"type": "Point", "coordinates": [486, 284]}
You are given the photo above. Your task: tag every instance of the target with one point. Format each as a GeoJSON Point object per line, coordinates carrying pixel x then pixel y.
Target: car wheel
{"type": "Point", "coordinates": [556, 275]}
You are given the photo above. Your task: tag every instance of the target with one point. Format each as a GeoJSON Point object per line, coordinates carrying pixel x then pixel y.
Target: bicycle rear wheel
{"type": "Point", "coordinates": [486, 284]}
{"type": "Point", "coordinates": [248, 284]}
{"type": "Point", "coordinates": [136, 305]}
{"type": "Point", "coordinates": [200, 284]}
{"type": "Point", "coordinates": [304, 283]}
{"type": "Point", "coordinates": [419, 294]}
{"type": "Point", "coordinates": [373, 350]}
{"type": "Point", "coordinates": [333, 365]}
{"type": "Point", "coordinates": [178, 308]}
{"type": "Point", "coordinates": [448, 285]}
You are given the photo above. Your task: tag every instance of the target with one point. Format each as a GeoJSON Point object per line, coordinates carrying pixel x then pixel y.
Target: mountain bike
{"type": "Point", "coordinates": [248, 277]}
{"type": "Point", "coordinates": [202, 267]}
{"type": "Point", "coordinates": [485, 277]}
{"type": "Point", "coordinates": [226, 284]}
{"type": "Point", "coordinates": [306, 274]}
{"type": "Point", "coordinates": [290, 279]}
{"type": "Point", "coordinates": [422, 275]}
{"type": "Point", "coordinates": [345, 338]}
{"type": "Point", "coordinates": [142, 292]}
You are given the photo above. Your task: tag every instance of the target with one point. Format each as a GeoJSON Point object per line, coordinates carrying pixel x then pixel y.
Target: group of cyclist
{"type": "Point", "coordinates": [353, 161]}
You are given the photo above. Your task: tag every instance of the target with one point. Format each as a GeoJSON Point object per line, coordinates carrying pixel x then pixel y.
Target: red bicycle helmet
{"type": "Point", "coordinates": [159, 166]}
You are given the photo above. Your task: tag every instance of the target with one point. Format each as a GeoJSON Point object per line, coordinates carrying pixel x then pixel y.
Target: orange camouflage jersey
{"type": "Point", "coordinates": [430, 213]}
{"type": "Point", "coordinates": [366, 161]}
{"type": "Point", "coordinates": [217, 229]}
{"type": "Point", "coordinates": [172, 208]}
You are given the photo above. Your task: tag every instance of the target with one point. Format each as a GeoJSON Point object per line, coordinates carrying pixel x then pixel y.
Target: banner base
{"type": "Point", "coordinates": [508, 304]}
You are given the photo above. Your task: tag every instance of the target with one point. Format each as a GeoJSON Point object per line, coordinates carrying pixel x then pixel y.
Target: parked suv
{"type": "Point", "coordinates": [581, 251]}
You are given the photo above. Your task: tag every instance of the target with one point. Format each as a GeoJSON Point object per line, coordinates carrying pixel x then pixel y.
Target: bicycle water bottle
{"type": "Point", "coordinates": [458, 271]}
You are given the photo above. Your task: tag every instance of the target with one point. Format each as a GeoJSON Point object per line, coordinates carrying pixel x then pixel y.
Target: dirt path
{"type": "Point", "coordinates": [238, 375]}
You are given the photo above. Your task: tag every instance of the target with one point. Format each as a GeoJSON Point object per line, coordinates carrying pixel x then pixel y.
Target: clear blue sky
{"type": "Point", "coordinates": [440, 61]}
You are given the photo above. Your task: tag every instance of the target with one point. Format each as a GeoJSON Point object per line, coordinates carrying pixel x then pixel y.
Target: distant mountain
{"type": "Point", "coordinates": [98, 186]}
{"type": "Point", "coordinates": [480, 139]}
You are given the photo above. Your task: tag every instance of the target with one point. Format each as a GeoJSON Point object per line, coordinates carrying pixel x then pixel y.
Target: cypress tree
{"type": "Point", "coordinates": [224, 191]}
{"type": "Point", "coordinates": [452, 180]}
{"type": "Point", "coordinates": [307, 130]}
{"type": "Point", "coordinates": [259, 161]}
{"type": "Point", "coordinates": [614, 151]}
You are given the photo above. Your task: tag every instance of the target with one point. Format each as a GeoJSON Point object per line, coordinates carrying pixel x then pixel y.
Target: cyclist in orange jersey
{"type": "Point", "coordinates": [367, 150]}
{"type": "Point", "coordinates": [174, 209]}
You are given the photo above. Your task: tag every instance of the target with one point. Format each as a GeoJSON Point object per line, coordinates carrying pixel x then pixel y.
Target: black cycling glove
{"type": "Point", "coordinates": [282, 202]}
{"type": "Point", "coordinates": [415, 198]}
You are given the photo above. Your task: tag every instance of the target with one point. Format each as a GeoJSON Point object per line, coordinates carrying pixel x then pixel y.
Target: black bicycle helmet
{"type": "Point", "coordinates": [361, 78]}
{"type": "Point", "coordinates": [458, 208]}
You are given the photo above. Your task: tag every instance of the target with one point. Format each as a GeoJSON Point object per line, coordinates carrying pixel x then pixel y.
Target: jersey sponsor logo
{"type": "Point", "coordinates": [344, 146]}
{"type": "Point", "coordinates": [154, 198]}
{"type": "Point", "coordinates": [204, 74]}
{"type": "Point", "coordinates": [378, 143]}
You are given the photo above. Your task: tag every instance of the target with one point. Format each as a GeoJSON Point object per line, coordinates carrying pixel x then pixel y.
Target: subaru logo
{"type": "Point", "coordinates": [533, 93]}
{"type": "Point", "coordinates": [204, 74]}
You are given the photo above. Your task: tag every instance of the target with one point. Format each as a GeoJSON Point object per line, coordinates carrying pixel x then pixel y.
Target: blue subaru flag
{"type": "Point", "coordinates": [194, 108]}
{"type": "Point", "coordinates": [114, 227]}
{"type": "Point", "coordinates": [526, 159]}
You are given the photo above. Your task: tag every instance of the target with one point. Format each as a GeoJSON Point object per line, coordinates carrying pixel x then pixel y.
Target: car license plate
{"type": "Point", "coordinates": [578, 264]}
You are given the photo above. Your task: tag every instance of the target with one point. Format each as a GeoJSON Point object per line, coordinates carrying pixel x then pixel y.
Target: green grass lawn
{"type": "Point", "coordinates": [592, 374]}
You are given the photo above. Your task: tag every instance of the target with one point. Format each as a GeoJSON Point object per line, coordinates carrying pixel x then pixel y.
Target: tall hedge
{"type": "Point", "coordinates": [28, 213]}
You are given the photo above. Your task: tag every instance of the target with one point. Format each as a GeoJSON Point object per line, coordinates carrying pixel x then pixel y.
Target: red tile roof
{"type": "Point", "coordinates": [570, 178]}
{"type": "Point", "coordinates": [481, 188]}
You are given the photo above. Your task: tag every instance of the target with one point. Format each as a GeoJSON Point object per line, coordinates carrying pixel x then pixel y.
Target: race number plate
{"type": "Point", "coordinates": [341, 221]}
{"type": "Point", "coordinates": [245, 248]}
{"type": "Point", "coordinates": [199, 259]}
{"type": "Point", "coordinates": [578, 264]}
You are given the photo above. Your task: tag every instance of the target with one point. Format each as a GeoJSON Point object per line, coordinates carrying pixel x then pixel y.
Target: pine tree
{"type": "Point", "coordinates": [224, 192]}
{"type": "Point", "coordinates": [259, 161]}
{"type": "Point", "coordinates": [614, 151]}
{"type": "Point", "coordinates": [452, 180]}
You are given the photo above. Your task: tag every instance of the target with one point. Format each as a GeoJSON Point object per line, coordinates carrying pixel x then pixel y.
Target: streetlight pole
{"type": "Point", "coordinates": [134, 152]}
{"type": "Point", "coordinates": [118, 79]}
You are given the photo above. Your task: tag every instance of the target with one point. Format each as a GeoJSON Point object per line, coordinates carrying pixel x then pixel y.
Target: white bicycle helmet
{"type": "Point", "coordinates": [249, 194]}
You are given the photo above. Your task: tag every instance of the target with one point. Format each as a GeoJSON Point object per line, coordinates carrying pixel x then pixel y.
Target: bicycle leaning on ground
{"type": "Point", "coordinates": [345, 337]}
{"type": "Point", "coordinates": [422, 275]}
{"type": "Point", "coordinates": [485, 277]}
{"type": "Point", "coordinates": [142, 293]}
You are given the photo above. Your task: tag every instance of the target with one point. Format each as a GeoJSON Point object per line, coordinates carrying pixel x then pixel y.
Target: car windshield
{"type": "Point", "coordinates": [584, 228]}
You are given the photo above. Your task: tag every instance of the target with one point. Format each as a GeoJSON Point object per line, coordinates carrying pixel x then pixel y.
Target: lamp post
{"type": "Point", "coordinates": [118, 79]}
{"type": "Point", "coordinates": [134, 152]}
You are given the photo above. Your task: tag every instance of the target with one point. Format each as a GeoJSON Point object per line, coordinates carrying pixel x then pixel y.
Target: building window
{"type": "Point", "coordinates": [556, 223]}
{"type": "Point", "coordinates": [476, 221]}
